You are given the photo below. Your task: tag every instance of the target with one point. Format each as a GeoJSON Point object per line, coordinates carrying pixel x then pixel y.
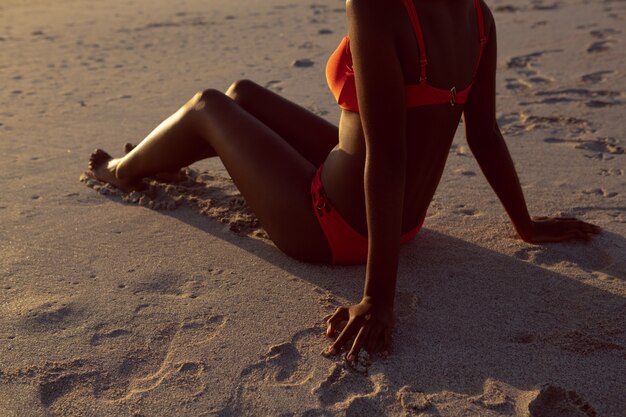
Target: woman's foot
{"type": "Point", "coordinates": [103, 167]}
{"type": "Point", "coordinates": [174, 176]}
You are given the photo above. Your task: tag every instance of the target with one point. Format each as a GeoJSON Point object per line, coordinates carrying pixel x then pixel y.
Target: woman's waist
{"type": "Point", "coordinates": [343, 184]}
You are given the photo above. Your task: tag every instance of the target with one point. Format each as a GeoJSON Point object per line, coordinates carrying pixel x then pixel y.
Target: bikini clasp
{"type": "Point", "coordinates": [452, 96]}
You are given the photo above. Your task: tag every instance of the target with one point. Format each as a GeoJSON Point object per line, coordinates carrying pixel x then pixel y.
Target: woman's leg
{"type": "Point", "coordinates": [272, 176]}
{"type": "Point", "coordinates": [312, 136]}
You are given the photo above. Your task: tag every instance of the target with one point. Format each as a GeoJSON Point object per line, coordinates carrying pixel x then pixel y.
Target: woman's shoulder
{"type": "Point", "coordinates": [383, 7]}
{"type": "Point", "coordinates": [378, 15]}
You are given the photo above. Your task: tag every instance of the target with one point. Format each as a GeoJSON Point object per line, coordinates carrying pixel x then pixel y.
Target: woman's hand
{"type": "Point", "coordinates": [370, 324]}
{"type": "Point", "coordinates": [558, 229]}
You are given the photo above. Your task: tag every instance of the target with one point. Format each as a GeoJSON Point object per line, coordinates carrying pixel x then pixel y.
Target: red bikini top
{"type": "Point", "coordinates": [340, 71]}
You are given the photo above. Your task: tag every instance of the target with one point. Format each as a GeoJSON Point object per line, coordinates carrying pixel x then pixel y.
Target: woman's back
{"type": "Point", "coordinates": [451, 34]}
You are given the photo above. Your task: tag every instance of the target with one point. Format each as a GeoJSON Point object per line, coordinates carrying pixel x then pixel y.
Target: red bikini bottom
{"type": "Point", "coordinates": [348, 246]}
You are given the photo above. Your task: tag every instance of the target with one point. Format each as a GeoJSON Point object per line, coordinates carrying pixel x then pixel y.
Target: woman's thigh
{"type": "Point", "coordinates": [271, 174]}
{"type": "Point", "coordinates": [312, 136]}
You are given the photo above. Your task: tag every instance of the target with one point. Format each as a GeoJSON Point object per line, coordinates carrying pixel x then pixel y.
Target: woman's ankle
{"type": "Point", "coordinates": [122, 171]}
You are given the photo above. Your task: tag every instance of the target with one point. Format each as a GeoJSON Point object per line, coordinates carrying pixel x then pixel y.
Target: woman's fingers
{"type": "Point", "coordinates": [581, 230]}
{"type": "Point", "coordinates": [359, 340]}
{"type": "Point", "coordinates": [340, 315]}
{"type": "Point", "coordinates": [370, 328]}
{"type": "Point", "coordinates": [345, 335]}
{"type": "Point", "coordinates": [560, 229]}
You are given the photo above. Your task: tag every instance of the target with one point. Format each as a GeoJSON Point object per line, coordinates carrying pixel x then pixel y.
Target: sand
{"type": "Point", "coordinates": [172, 302]}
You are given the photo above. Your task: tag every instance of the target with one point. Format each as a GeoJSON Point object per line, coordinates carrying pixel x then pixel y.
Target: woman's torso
{"type": "Point", "coordinates": [451, 37]}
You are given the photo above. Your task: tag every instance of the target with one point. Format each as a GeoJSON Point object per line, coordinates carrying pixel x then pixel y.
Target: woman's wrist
{"type": "Point", "coordinates": [382, 301]}
{"type": "Point", "coordinates": [524, 228]}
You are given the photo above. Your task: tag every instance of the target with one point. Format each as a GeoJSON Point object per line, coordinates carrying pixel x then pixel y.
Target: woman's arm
{"type": "Point", "coordinates": [380, 90]}
{"type": "Point", "coordinates": [489, 148]}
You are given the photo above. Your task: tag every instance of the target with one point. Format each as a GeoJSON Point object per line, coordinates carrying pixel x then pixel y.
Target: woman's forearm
{"type": "Point", "coordinates": [495, 161]}
{"type": "Point", "coordinates": [384, 197]}
{"type": "Point", "coordinates": [380, 88]}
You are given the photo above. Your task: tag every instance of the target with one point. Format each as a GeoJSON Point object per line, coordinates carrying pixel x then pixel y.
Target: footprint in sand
{"type": "Point", "coordinates": [99, 338]}
{"type": "Point", "coordinates": [275, 85]}
{"type": "Point", "coordinates": [194, 333]}
{"type": "Point", "coordinates": [466, 211]}
{"type": "Point", "coordinates": [540, 5]}
{"type": "Point", "coordinates": [492, 402]}
{"type": "Point", "coordinates": [611, 172]}
{"type": "Point", "coordinates": [530, 79]}
{"type": "Point", "coordinates": [601, 45]}
{"type": "Point", "coordinates": [554, 401]}
{"type": "Point", "coordinates": [57, 380]}
{"type": "Point", "coordinates": [295, 369]}
{"type": "Point", "coordinates": [460, 150]}
{"type": "Point", "coordinates": [506, 8]}
{"type": "Point", "coordinates": [600, 192]}
{"type": "Point", "coordinates": [520, 84]}
{"type": "Point", "coordinates": [465, 172]}
{"type": "Point", "coordinates": [596, 77]}
{"type": "Point", "coordinates": [268, 386]}
{"type": "Point", "coordinates": [302, 63]}
{"type": "Point", "coordinates": [604, 41]}
{"type": "Point", "coordinates": [519, 123]}
{"type": "Point", "coordinates": [135, 373]}
{"type": "Point", "coordinates": [342, 384]}
{"type": "Point", "coordinates": [527, 61]}
{"type": "Point", "coordinates": [601, 148]}
{"type": "Point", "coordinates": [526, 64]}
{"type": "Point", "coordinates": [606, 145]}
{"type": "Point", "coordinates": [285, 6]}
{"type": "Point", "coordinates": [528, 254]}
{"type": "Point", "coordinates": [591, 98]}
{"type": "Point", "coordinates": [413, 401]}
{"type": "Point", "coordinates": [51, 316]}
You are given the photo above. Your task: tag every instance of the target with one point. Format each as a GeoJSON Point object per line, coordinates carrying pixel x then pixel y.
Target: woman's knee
{"type": "Point", "coordinates": [209, 95]}
{"type": "Point", "coordinates": [205, 99]}
{"type": "Point", "coordinates": [241, 89]}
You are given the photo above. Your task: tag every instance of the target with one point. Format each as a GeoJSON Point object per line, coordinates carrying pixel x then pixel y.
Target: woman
{"type": "Point", "coordinates": [404, 77]}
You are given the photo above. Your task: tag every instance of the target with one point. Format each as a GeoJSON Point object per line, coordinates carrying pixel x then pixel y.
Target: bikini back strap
{"type": "Point", "coordinates": [481, 33]}
{"type": "Point", "coordinates": [417, 29]}
{"type": "Point", "coordinates": [481, 23]}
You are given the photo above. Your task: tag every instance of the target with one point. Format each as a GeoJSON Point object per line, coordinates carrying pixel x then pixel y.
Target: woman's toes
{"type": "Point", "coordinates": [97, 158]}
{"type": "Point", "coordinates": [128, 147]}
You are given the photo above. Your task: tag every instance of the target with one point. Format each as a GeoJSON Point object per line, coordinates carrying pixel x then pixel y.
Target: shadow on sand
{"type": "Point", "coordinates": [467, 314]}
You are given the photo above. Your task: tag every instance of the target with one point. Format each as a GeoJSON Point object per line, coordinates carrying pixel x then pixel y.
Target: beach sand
{"type": "Point", "coordinates": [172, 302]}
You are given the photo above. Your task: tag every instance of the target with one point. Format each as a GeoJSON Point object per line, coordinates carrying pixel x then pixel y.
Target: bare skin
{"type": "Point", "coordinates": [174, 176]}
{"type": "Point", "coordinates": [424, 139]}
{"type": "Point", "coordinates": [270, 147]}
{"type": "Point", "coordinates": [381, 166]}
